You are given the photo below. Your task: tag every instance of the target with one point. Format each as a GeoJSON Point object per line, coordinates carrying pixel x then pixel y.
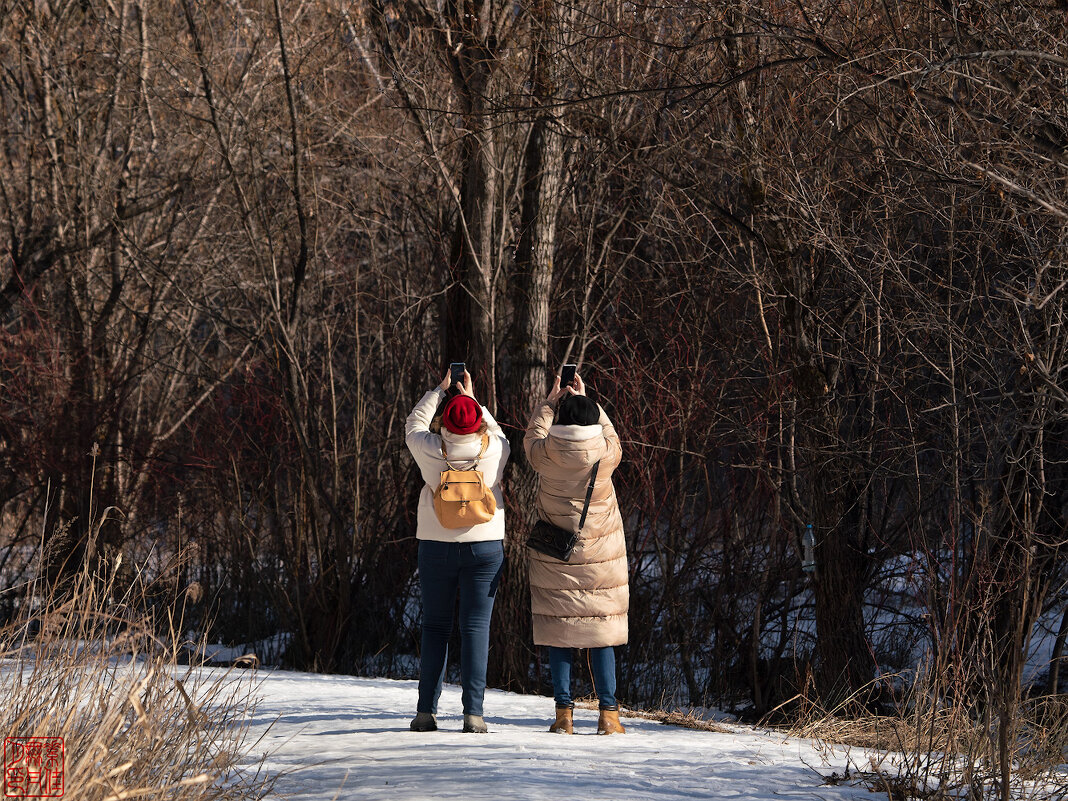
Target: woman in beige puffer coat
{"type": "Point", "coordinates": [581, 603]}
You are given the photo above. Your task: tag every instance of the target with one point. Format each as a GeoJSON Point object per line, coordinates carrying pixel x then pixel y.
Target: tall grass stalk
{"type": "Point", "coordinates": [941, 744]}
{"type": "Point", "coordinates": [87, 663]}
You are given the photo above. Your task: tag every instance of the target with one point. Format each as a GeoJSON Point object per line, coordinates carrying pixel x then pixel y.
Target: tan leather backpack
{"type": "Point", "coordinates": [462, 498]}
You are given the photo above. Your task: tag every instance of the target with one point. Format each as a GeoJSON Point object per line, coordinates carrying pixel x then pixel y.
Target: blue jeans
{"type": "Point", "coordinates": [473, 569]}
{"type": "Point", "coordinates": [603, 666]}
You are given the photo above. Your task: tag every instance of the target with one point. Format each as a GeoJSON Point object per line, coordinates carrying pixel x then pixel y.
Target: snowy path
{"type": "Point", "coordinates": [348, 738]}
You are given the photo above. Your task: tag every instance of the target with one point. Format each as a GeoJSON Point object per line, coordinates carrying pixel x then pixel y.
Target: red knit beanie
{"type": "Point", "coordinates": [462, 415]}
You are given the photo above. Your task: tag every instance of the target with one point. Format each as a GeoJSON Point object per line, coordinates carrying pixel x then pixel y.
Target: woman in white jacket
{"type": "Point", "coordinates": [466, 560]}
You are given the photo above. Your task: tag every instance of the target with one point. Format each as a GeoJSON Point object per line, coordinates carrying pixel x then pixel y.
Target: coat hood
{"type": "Point", "coordinates": [575, 446]}
{"type": "Point", "coordinates": [461, 447]}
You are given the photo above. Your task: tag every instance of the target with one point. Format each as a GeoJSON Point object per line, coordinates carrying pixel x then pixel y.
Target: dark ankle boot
{"type": "Point", "coordinates": [423, 721]}
{"type": "Point", "coordinates": [565, 722]}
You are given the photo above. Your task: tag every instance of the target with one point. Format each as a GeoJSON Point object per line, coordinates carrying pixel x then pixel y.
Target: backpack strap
{"type": "Point", "coordinates": [589, 495]}
{"type": "Point", "coordinates": [481, 452]}
{"type": "Point", "coordinates": [445, 455]}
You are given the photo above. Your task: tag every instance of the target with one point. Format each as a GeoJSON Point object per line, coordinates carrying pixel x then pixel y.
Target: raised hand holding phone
{"type": "Point", "coordinates": [457, 370]}
{"type": "Point", "coordinates": [567, 374]}
{"type": "Point", "coordinates": [556, 391]}
{"type": "Point", "coordinates": [465, 386]}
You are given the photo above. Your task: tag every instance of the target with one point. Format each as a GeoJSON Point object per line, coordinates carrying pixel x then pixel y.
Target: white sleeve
{"type": "Point", "coordinates": [417, 434]}
{"type": "Point", "coordinates": [494, 430]}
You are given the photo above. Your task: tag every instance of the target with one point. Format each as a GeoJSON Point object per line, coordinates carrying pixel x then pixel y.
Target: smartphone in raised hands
{"type": "Point", "coordinates": [567, 375]}
{"type": "Point", "coordinates": [456, 374]}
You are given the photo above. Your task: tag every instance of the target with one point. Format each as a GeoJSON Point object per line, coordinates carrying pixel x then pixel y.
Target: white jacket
{"type": "Point", "coordinates": [463, 448]}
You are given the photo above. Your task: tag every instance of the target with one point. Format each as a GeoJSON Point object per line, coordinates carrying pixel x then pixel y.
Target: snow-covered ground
{"type": "Point", "coordinates": [347, 738]}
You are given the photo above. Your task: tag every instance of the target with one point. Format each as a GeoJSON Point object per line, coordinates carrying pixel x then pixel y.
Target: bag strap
{"type": "Point", "coordinates": [481, 452]}
{"type": "Point", "coordinates": [589, 495]}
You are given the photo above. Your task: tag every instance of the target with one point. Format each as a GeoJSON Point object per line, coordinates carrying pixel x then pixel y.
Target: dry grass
{"type": "Point", "coordinates": [940, 730]}
{"type": "Point", "coordinates": [935, 749]}
{"type": "Point", "coordinates": [687, 720]}
{"type": "Point", "coordinates": [135, 723]}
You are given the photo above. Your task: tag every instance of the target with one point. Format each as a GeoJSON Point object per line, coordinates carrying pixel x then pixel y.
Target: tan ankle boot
{"type": "Point", "coordinates": [475, 724]}
{"type": "Point", "coordinates": [608, 722]}
{"type": "Point", "coordinates": [565, 723]}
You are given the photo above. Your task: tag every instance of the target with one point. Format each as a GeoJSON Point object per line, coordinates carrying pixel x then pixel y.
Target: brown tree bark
{"type": "Point", "coordinates": [468, 303]}
{"type": "Point", "coordinates": [817, 490]}
{"type": "Point", "coordinates": [528, 344]}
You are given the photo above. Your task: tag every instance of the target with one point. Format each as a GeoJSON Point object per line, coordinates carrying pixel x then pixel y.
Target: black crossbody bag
{"type": "Point", "coordinates": [557, 542]}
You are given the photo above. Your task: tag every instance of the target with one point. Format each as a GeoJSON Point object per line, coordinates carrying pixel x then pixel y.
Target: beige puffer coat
{"type": "Point", "coordinates": [581, 603]}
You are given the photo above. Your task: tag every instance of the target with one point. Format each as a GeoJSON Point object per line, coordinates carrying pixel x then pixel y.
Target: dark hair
{"type": "Point", "coordinates": [577, 410]}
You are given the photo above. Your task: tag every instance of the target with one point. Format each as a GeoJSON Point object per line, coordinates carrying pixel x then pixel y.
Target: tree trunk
{"type": "Point", "coordinates": [843, 658]}
{"type": "Point", "coordinates": [468, 333]}
{"type": "Point", "coordinates": [529, 345]}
